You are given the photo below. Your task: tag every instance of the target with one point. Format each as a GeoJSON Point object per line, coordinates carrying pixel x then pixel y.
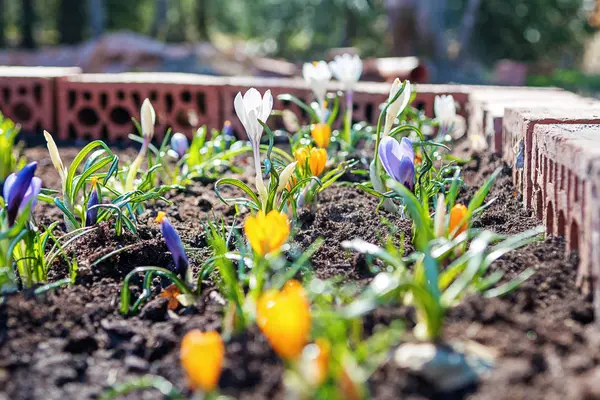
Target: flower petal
{"type": "Point", "coordinates": [267, 106]}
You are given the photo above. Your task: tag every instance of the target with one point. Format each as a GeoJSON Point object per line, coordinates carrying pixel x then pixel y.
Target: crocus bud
{"type": "Point", "coordinates": [148, 117]}
{"type": "Point", "coordinates": [315, 361]}
{"type": "Point", "coordinates": [458, 224]}
{"type": "Point", "coordinates": [91, 216]}
{"type": "Point", "coordinates": [267, 232]}
{"type": "Point", "coordinates": [398, 160]}
{"type": "Point", "coordinates": [285, 320]}
{"type": "Point", "coordinates": [321, 134]}
{"type": "Point", "coordinates": [317, 159]}
{"type": "Point", "coordinates": [285, 175]}
{"type": "Point", "coordinates": [228, 133]}
{"type": "Point", "coordinates": [397, 106]}
{"type": "Point", "coordinates": [439, 222]}
{"type": "Point", "coordinates": [174, 243]}
{"type": "Point", "coordinates": [55, 156]}
{"type": "Point", "coordinates": [202, 355]}
{"type": "Point", "coordinates": [20, 190]}
{"type": "Point", "coordinates": [179, 143]}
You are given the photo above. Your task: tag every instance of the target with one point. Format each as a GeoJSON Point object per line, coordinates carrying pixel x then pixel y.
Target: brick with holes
{"type": "Point", "coordinates": [519, 147]}
{"type": "Point", "coordinates": [567, 189]}
{"type": "Point", "coordinates": [27, 95]}
{"type": "Point", "coordinates": [100, 106]}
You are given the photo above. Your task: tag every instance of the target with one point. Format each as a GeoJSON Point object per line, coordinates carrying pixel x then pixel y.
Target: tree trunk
{"type": "Point", "coordinates": [403, 28]}
{"type": "Point", "coordinates": [27, 24]}
{"type": "Point", "coordinates": [96, 17]}
{"type": "Point", "coordinates": [71, 21]}
{"type": "Point", "coordinates": [159, 25]}
{"type": "Point", "coordinates": [468, 22]}
{"type": "Point", "coordinates": [202, 19]}
{"type": "Point", "coordinates": [2, 24]}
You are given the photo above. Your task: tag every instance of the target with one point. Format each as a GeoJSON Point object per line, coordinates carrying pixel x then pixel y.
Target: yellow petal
{"type": "Point", "coordinates": [202, 356]}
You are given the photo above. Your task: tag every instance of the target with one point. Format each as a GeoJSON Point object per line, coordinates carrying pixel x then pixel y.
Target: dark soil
{"type": "Point", "coordinates": [72, 343]}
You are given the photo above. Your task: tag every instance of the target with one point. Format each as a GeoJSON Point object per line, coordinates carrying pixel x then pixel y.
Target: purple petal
{"type": "Point", "coordinates": [180, 144]}
{"type": "Point", "coordinates": [17, 190]}
{"type": "Point", "coordinates": [398, 160]}
{"type": "Point", "coordinates": [175, 246]}
{"type": "Point", "coordinates": [91, 216]}
{"type": "Point", "coordinates": [8, 183]}
{"type": "Point", "coordinates": [405, 174]}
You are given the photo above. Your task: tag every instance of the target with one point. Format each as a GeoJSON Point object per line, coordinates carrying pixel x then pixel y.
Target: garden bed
{"type": "Point", "coordinates": [74, 343]}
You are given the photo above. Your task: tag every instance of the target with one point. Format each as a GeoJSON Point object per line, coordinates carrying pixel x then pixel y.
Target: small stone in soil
{"type": "Point", "coordinates": [155, 310]}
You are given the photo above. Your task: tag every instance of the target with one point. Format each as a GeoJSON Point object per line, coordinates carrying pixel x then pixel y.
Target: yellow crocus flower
{"type": "Point", "coordinates": [267, 232]}
{"type": "Point", "coordinates": [321, 134]}
{"type": "Point", "coordinates": [457, 215]}
{"type": "Point", "coordinates": [285, 320]}
{"type": "Point", "coordinates": [202, 356]}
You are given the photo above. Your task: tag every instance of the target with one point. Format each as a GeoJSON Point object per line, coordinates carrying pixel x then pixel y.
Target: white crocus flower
{"type": "Point", "coordinates": [347, 69]}
{"type": "Point", "coordinates": [317, 75]}
{"type": "Point", "coordinates": [397, 106]}
{"type": "Point", "coordinates": [251, 108]}
{"type": "Point", "coordinates": [148, 117]}
{"type": "Point", "coordinates": [445, 109]}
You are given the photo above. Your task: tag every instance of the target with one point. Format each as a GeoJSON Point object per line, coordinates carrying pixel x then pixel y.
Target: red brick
{"type": "Point", "coordinates": [27, 95]}
{"type": "Point", "coordinates": [100, 106]}
{"type": "Point", "coordinates": [568, 184]}
{"type": "Point", "coordinates": [518, 125]}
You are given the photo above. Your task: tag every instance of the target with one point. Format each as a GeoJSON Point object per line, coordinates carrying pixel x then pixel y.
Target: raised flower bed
{"type": "Point", "coordinates": [340, 271]}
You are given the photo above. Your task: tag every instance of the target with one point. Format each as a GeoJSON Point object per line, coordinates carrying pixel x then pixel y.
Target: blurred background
{"type": "Point", "coordinates": [534, 42]}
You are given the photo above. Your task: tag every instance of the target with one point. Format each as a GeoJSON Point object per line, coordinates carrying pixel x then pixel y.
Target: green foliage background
{"type": "Point", "coordinates": [524, 30]}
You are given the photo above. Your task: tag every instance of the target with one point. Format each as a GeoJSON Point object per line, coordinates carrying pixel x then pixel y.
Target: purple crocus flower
{"type": "Point", "coordinates": [174, 243]}
{"type": "Point", "coordinates": [91, 216]}
{"type": "Point", "coordinates": [20, 190]}
{"type": "Point", "coordinates": [179, 143]}
{"type": "Point", "coordinates": [398, 160]}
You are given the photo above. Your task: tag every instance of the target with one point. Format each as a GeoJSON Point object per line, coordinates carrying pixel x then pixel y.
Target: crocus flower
{"type": "Point", "coordinates": [174, 243]}
{"type": "Point", "coordinates": [20, 190]}
{"type": "Point", "coordinates": [315, 361]}
{"type": "Point", "coordinates": [148, 119]}
{"type": "Point", "coordinates": [179, 143]}
{"type": "Point", "coordinates": [317, 74]}
{"type": "Point", "coordinates": [321, 134]}
{"type": "Point", "coordinates": [284, 318]}
{"type": "Point", "coordinates": [250, 108]}
{"type": "Point", "coordinates": [397, 106]}
{"type": "Point", "coordinates": [267, 232]}
{"type": "Point", "coordinates": [228, 133]}
{"type": "Point", "coordinates": [346, 69]}
{"type": "Point", "coordinates": [445, 109]}
{"type": "Point", "coordinates": [458, 224]}
{"type": "Point", "coordinates": [439, 221]}
{"type": "Point", "coordinates": [317, 158]}
{"type": "Point", "coordinates": [91, 216]}
{"type": "Point", "coordinates": [202, 355]}
{"type": "Point", "coordinates": [398, 160]}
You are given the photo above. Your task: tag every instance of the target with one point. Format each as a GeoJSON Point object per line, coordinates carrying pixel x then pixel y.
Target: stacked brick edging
{"type": "Point", "coordinates": [538, 131]}
{"type": "Point", "coordinates": [27, 95]}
